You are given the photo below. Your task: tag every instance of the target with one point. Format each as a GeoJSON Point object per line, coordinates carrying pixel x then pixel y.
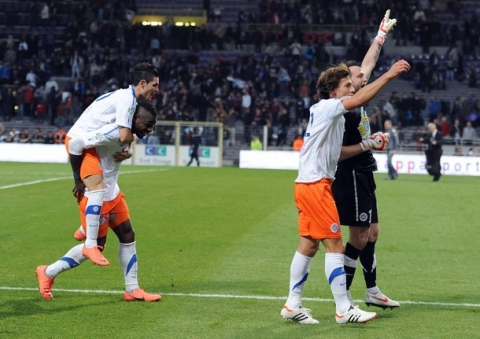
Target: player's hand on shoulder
{"type": "Point", "coordinates": [122, 155]}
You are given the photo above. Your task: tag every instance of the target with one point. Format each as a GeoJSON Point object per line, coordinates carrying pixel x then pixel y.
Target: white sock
{"type": "Point", "coordinates": [298, 277]}
{"type": "Point", "coordinates": [92, 216]}
{"type": "Point", "coordinates": [127, 255]}
{"type": "Point", "coordinates": [337, 280]}
{"type": "Point", "coordinates": [71, 259]}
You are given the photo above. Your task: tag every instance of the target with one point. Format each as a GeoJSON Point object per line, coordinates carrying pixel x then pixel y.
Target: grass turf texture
{"type": "Point", "coordinates": [217, 243]}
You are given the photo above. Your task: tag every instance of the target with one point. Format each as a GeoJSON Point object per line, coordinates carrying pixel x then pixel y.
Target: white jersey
{"type": "Point", "coordinates": [322, 141]}
{"type": "Point", "coordinates": [114, 107]}
{"type": "Point", "coordinates": [106, 145]}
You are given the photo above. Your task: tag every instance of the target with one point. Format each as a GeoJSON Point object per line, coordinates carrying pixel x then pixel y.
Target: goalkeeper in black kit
{"type": "Point", "coordinates": [354, 184]}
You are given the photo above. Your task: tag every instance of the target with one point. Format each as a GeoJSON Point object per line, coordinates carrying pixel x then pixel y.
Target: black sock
{"type": "Point", "coordinates": [351, 253]}
{"type": "Point", "coordinates": [369, 263]}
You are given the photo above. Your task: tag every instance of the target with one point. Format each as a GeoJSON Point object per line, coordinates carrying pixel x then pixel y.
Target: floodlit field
{"type": "Point", "coordinates": [217, 244]}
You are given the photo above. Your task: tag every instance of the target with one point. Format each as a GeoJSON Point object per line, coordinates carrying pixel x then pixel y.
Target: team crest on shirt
{"type": "Point", "coordinates": [99, 137]}
{"type": "Point", "coordinates": [130, 112]}
{"type": "Point", "coordinates": [363, 216]}
{"type": "Point", "coordinates": [334, 228]}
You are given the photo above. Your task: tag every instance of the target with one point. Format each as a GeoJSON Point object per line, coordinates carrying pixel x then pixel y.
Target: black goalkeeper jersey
{"type": "Point", "coordinates": [357, 129]}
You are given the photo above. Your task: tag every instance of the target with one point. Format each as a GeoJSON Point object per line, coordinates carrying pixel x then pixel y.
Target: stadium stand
{"type": "Point", "coordinates": [248, 44]}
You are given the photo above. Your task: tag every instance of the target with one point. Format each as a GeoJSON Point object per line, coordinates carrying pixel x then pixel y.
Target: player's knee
{"type": "Point", "coordinates": [358, 240]}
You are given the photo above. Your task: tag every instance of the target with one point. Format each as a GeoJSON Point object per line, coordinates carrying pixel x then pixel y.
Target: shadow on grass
{"type": "Point", "coordinates": [32, 306]}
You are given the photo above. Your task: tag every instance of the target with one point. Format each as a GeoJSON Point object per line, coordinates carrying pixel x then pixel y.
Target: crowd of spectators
{"type": "Point", "coordinates": [98, 46]}
{"type": "Point", "coordinates": [39, 136]}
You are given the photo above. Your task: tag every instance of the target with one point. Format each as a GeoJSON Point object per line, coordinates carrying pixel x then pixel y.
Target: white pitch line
{"type": "Point", "coordinates": [232, 296]}
{"type": "Point", "coordinates": [64, 178]}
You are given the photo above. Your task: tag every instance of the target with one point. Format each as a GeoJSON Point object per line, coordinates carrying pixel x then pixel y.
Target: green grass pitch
{"type": "Point", "coordinates": [217, 244]}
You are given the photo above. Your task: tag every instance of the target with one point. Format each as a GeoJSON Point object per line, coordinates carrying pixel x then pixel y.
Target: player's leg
{"type": "Point", "coordinates": [358, 237]}
{"type": "Point", "coordinates": [345, 312]}
{"type": "Point", "coordinates": [299, 270]}
{"type": "Point", "coordinates": [92, 176]}
{"type": "Point", "coordinates": [90, 210]}
{"type": "Point", "coordinates": [46, 274]}
{"type": "Point", "coordinates": [300, 266]}
{"type": "Point", "coordinates": [74, 257]}
{"type": "Point", "coordinates": [373, 296]}
{"type": "Point", "coordinates": [328, 219]}
{"type": "Point", "coordinates": [197, 158]}
{"type": "Point", "coordinates": [353, 206]}
{"type": "Point", "coordinates": [127, 253]}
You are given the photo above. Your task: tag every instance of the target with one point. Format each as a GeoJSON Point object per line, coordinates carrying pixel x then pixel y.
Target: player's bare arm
{"type": "Point", "coordinates": [370, 59]}
{"type": "Point", "coordinates": [125, 135]}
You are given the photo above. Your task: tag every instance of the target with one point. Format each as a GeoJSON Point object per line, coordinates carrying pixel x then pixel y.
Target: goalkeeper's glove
{"type": "Point", "coordinates": [377, 142]}
{"type": "Point", "coordinates": [385, 26]}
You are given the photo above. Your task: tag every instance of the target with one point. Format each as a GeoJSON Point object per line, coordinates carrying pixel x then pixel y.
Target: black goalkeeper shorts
{"type": "Point", "coordinates": [354, 194]}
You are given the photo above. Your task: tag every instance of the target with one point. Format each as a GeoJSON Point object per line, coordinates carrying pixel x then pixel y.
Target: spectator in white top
{"type": "Point", "coordinates": [32, 78]}
{"type": "Point", "coordinates": [246, 102]}
{"type": "Point", "coordinates": [51, 83]}
{"type": "Point", "coordinates": [296, 49]}
{"type": "Point", "coordinates": [44, 14]}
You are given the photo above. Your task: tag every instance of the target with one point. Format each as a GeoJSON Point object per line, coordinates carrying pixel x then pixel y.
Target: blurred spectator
{"type": "Point", "coordinates": [4, 137]}
{"type": "Point", "coordinates": [230, 122]}
{"type": "Point", "coordinates": [283, 124]}
{"type": "Point", "coordinates": [60, 136]}
{"type": "Point", "coordinates": [49, 84]}
{"type": "Point", "coordinates": [456, 132]}
{"type": "Point", "coordinates": [77, 65]}
{"type": "Point", "coordinates": [153, 139]}
{"type": "Point", "coordinates": [256, 144]}
{"type": "Point", "coordinates": [31, 77]}
{"type": "Point", "coordinates": [445, 127]}
{"type": "Point", "coordinates": [49, 138]}
{"type": "Point", "coordinates": [24, 136]}
{"type": "Point", "coordinates": [38, 137]}
{"type": "Point", "coordinates": [297, 143]}
{"type": "Point", "coordinates": [468, 134]}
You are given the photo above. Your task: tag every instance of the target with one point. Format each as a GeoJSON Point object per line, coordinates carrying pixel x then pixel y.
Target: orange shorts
{"type": "Point", "coordinates": [317, 212]}
{"type": "Point", "coordinates": [113, 213]}
{"type": "Point", "coordinates": [90, 162]}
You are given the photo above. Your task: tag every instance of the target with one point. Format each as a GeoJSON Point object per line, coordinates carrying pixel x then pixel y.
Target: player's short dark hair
{"type": "Point", "coordinates": [351, 63]}
{"type": "Point", "coordinates": [330, 78]}
{"type": "Point", "coordinates": [148, 106]}
{"type": "Point", "coordinates": [143, 71]}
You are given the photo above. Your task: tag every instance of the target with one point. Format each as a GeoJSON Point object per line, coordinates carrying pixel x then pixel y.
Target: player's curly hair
{"type": "Point", "coordinates": [143, 71]}
{"type": "Point", "coordinates": [148, 106]}
{"type": "Point", "coordinates": [330, 78]}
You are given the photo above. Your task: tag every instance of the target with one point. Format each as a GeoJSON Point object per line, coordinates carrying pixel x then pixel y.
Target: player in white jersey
{"type": "Point", "coordinates": [318, 217]}
{"type": "Point", "coordinates": [115, 107]}
{"type": "Point", "coordinates": [114, 212]}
